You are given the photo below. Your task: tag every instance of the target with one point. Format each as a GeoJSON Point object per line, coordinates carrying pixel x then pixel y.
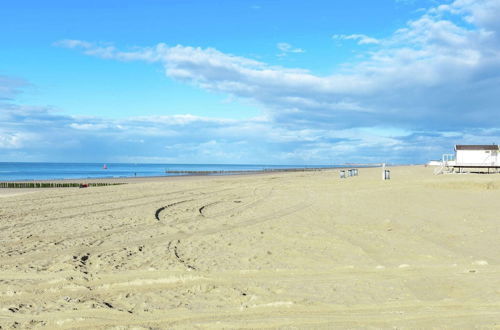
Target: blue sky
{"type": "Point", "coordinates": [283, 82]}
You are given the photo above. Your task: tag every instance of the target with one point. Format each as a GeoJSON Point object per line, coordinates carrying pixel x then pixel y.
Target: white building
{"type": "Point", "coordinates": [476, 156]}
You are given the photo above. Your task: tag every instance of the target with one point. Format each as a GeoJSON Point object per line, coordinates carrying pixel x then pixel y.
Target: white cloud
{"type": "Point", "coordinates": [286, 48]}
{"type": "Point", "coordinates": [361, 38]}
{"type": "Point", "coordinates": [181, 120]}
{"type": "Point", "coordinates": [13, 140]}
{"type": "Point", "coordinates": [87, 126]}
{"type": "Point", "coordinates": [482, 13]}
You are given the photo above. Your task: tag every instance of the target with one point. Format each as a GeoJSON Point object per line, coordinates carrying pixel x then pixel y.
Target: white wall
{"type": "Point", "coordinates": [479, 157]}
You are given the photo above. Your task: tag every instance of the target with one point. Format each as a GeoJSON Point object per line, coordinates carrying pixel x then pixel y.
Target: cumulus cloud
{"type": "Point", "coordinates": [481, 13]}
{"type": "Point", "coordinates": [433, 73]}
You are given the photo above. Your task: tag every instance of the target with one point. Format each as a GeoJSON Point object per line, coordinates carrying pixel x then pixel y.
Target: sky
{"type": "Point", "coordinates": [247, 82]}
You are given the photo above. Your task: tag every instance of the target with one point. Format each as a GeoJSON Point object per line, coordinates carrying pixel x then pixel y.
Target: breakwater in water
{"type": "Point", "coordinates": [308, 169]}
{"type": "Point", "coordinates": [54, 184]}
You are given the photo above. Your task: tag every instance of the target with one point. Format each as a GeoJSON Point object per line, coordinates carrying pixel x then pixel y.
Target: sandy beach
{"type": "Point", "coordinates": [303, 250]}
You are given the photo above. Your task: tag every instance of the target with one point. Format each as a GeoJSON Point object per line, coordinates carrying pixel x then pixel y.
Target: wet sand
{"type": "Point", "coordinates": [274, 250]}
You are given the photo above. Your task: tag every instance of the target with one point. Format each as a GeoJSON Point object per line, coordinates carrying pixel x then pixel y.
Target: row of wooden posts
{"type": "Point", "coordinates": [247, 171]}
{"type": "Point", "coordinates": [53, 184]}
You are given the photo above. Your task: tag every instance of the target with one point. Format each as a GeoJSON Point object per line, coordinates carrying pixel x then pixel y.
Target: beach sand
{"type": "Point", "coordinates": [276, 250]}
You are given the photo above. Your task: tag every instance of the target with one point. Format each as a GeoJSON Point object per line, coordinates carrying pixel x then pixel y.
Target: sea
{"type": "Point", "coordinates": [57, 171]}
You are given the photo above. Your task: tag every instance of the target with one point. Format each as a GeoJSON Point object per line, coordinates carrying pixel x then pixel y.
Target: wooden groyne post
{"type": "Point", "coordinates": [53, 184]}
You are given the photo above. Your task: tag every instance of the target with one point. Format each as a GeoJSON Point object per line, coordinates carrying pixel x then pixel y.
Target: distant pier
{"type": "Point", "coordinates": [250, 171]}
{"type": "Point", "coordinates": [265, 170]}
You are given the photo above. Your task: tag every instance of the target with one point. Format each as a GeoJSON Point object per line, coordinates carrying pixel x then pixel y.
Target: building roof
{"type": "Point", "coordinates": [476, 147]}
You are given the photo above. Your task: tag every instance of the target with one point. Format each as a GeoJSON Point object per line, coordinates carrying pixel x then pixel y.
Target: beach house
{"type": "Point", "coordinates": [480, 158]}
{"type": "Point", "coordinates": [477, 155]}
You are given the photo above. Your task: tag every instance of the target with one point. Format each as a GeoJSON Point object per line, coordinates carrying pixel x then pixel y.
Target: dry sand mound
{"type": "Point", "coordinates": [281, 250]}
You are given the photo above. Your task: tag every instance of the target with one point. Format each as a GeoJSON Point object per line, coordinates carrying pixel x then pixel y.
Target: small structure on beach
{"type": "Point", "coordinates": [478, 157]}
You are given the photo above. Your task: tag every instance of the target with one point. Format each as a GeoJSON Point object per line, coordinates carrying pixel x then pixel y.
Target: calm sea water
{"type": "Point", "coordinates": [48, 171]}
